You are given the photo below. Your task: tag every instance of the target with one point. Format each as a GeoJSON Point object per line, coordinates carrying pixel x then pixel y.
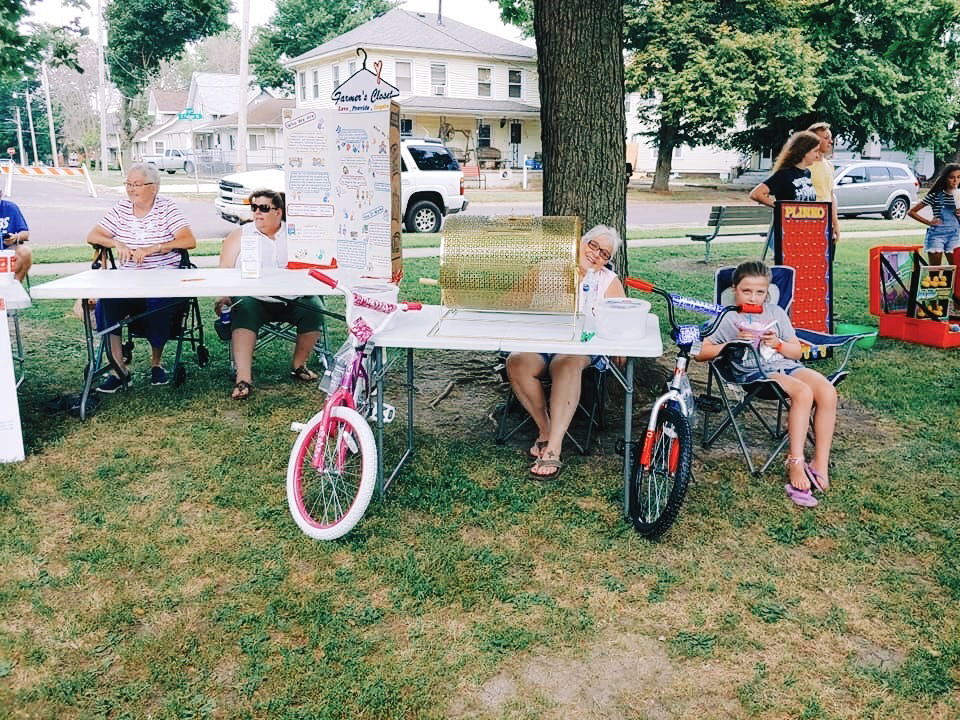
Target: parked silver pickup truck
{"type": "Point", "coordinates": [171, 161]}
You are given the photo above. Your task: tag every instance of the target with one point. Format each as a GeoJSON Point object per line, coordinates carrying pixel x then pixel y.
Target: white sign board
{"type": "Point", "coordinates": [11, 434]}
{"type": "Point", "coordinates": [342, 171]}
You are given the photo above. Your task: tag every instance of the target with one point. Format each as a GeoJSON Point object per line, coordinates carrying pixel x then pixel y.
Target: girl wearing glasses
{"type": "Point", "coordinates": [526, 369]}
{"type": "Point", "coordinates": [250, 313]}
{"type": "Point", "coordinates": [145, 232]}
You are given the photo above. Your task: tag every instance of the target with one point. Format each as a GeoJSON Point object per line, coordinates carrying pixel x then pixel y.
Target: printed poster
{"type": "Point", "coordinates": [342, 169]}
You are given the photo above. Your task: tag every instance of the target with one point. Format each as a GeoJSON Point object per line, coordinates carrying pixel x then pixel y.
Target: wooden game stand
{"type": "Point", "coordinates": [929, 312]}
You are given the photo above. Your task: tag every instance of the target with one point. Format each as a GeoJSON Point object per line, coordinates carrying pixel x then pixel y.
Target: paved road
{"type": "Point", "coordinates": [60, 212]}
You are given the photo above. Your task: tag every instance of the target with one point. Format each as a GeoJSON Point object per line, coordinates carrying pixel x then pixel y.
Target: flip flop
{"type": "Point", "coordinates": [548, 463]}
{"type": "Point", "coordinates": [802, 498]}
{"type": "Point", "coordinates": [816, 479]}
{"type": "Point", "coordinates": [539, 445]}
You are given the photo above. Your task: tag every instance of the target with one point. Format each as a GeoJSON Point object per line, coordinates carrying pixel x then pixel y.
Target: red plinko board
{"type": "Point", "coordinates": [802, 239]}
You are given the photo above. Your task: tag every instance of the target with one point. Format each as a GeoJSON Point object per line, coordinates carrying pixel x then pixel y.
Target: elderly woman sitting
{"type": "Point", "coordinates": [145, 231]}
{"type": "Point", "coordinates": [249, 313]}
{"type": "Point", "coordinates": [525, 369]}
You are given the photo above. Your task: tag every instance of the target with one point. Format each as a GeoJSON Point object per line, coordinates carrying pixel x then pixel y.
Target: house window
{"type": "Point", "coordinates": [678, 152]}
{"type": "Point", "coordinates": [438, 79]}
{"type": "Point", "coordinates": [316, 84]}
{"type": "Point", "coordinates": [233, 142]}
{"type": "Point", "coordinates": [483, 134]}
{"type": "Point", "coordinates": [515, 83]}
{"type": "Point", "coordinates": [402, 75]}
{"type": "Point", "coordinates": [406, 127]}
{"type": "Point", "coordinates": [303, 85]}
{"type": "Point", "coordinates": [335, 70]}
{"type": "Point", "coordinates": [483, 81]}
{"type": "Point", "coordinates": [158, 147]}
{"type": "Point", "coordinates": [257, 142]}
{"type": "Point", "coordinates": [351, 67]}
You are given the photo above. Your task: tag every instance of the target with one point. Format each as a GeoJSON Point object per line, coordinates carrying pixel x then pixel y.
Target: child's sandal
{"type": "Point", "coordinates": [802, 498]}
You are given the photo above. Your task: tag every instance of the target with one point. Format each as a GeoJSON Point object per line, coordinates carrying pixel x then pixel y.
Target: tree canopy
{"type": "Point", "coordinates": [143, 33]}
{"type": "Point", "coordinates": [301, 25]}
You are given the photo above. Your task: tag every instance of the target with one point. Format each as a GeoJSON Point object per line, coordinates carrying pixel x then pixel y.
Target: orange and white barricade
{"type": "Point", "coordinates": [29, 170]}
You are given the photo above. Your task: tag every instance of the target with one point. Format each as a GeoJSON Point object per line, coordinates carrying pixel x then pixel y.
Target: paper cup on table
{"type": "Point", "coordinates": [622, 318]}
{"type": "Point", "coordinates": [381, 294]}
{"type": "Point", "coordinates": [8, 259]}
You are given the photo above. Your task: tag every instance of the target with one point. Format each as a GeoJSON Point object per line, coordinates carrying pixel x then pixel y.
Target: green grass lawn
{"type": "Point", "coordinates": [149, 567]}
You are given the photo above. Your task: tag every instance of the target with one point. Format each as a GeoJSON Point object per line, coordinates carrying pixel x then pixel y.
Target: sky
{"type": "Point", "coordinates": [481, 14]}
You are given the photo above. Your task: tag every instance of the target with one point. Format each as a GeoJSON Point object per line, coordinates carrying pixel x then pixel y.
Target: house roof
{"type": "Point", "coordinates": [266, 113]}
{"type": "Point", "coordinates": [418, 32]}
{"type": "Point", "coordinates": [467, 106]}
{"type": "Point", "coordinates": [217, 93]}
{"type": "Point", "coordinates": [170, 101]}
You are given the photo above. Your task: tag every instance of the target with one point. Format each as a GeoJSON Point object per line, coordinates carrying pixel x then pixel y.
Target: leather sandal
{"type": "Point", "coordinates": [549, 463]}
{"type": "Point", "coordinates": [241, 390]}
{"type": "Point", "coordinates": [304, 374]}
{"type": "Point", "coordinates": [537, 448]}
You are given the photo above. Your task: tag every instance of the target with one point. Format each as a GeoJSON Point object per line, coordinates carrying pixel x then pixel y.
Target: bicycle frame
{"type": "Point", "coordinates": [686, 338]}
{"type": "Point", "coordinates": [360, 333]}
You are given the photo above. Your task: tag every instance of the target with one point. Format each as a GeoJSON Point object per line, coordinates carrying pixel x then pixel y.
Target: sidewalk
{"type": "Point", "coordinates": [206, 261]}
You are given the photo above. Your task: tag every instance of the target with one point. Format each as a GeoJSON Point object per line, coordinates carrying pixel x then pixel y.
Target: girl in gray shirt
{"type": "Point", "coordinates": [780, 352]}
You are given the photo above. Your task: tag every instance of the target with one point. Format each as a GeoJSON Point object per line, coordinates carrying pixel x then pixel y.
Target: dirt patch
{"type": "Point", "coordinates": [870, 655]}
{"type": "Point", "coordinates": [601, 684]}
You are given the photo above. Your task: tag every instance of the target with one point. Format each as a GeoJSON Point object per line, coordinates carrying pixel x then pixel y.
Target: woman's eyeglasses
{"type": "Point", "coordinates": [262, 208]}
{"type": "Point", "coordinates": [137, 185]}
{"type": "Point", "coordinates": [595, 246]}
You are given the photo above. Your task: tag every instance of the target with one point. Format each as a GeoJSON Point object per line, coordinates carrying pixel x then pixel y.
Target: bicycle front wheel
{"type": "Point", "coordinates": [657, 487]}
{"type": "Point", "coordinates": [331, 474]}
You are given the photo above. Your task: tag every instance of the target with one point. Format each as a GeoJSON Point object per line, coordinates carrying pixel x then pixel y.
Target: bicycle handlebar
{"type": "Point", "coordinates": [322, 277]}
{"type": "Point", "coordinates": [675, 300]}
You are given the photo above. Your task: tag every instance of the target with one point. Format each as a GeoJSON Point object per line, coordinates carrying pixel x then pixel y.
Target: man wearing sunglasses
{"type": "Point", "coordinates": [249, 313]}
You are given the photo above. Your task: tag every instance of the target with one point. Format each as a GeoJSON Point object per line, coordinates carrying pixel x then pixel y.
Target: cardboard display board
{"type": "Point", "coordinates": [802, 239]}
{"type": "Point", "coordinates": [11, 434]}
{"type": "Point", "coordinates": [342, 170]}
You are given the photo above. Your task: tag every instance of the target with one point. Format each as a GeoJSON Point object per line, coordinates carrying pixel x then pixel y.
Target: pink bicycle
{"type": "Point", "coordinates": [332, 471]}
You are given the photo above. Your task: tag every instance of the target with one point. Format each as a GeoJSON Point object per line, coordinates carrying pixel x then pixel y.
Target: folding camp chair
{"type": "Point", "coordinates": [186, 324]}
{"type": "Point", "coordinates": [735, 400]}
{"type": "Point", "coordinates": [590, 408]}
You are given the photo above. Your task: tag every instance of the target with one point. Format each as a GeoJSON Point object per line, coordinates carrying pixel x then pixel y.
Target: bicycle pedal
{"type": "Point", "coordinates": [389, 413]}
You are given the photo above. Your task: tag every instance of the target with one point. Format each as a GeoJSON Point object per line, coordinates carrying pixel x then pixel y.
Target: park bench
{"type": "Point", "coordinates": [730, 220]}
{"type": "Point", "coordinates": [472, 173]}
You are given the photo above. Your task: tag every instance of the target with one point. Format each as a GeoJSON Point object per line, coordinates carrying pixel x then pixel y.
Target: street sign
{"type": "Point", "coordinates": [189, 114]}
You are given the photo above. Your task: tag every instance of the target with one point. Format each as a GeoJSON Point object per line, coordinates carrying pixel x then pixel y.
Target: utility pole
{"type": "Point", "coordinates": [242, 139]}
{"type": "Point", "coordinates": [53, 135]}
{"type": "Point", "coordinates": [33, 135]}
{"type": "Point", "coordinates": [102, 94]}
{"type": "Point", "coordinates": [23, 154]}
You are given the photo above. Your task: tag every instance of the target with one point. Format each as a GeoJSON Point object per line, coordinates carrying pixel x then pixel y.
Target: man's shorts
{"type": "Point", "coordinates": [305, 312]}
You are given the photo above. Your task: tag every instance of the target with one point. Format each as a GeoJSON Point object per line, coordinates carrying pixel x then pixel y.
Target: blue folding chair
{"type": "Point", "coordinates": [737, 400]}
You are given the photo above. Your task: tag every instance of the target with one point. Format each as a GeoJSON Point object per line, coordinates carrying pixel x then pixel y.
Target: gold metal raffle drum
{"type": "Point", "coordinates": [494, 265]}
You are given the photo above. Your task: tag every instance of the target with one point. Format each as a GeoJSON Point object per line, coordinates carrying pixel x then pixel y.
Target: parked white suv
{"type": "Point", "coordinates": [431, 187]}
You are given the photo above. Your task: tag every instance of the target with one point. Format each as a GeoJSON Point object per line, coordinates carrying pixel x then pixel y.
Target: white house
{"type": "Point", "coordinates": [211, 95]}
{"type": "Point", "coordinates": [264, 139]}
{"type": "Point", "coordinates": [477, 91]}
{"type": "Point", "coordinates": [642, 151]}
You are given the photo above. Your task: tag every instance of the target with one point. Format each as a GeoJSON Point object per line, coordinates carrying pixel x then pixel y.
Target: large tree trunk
{"type": "Point", "coordinates": [580, 61]}
{"type": "Point", "coordinates": [666, 142]}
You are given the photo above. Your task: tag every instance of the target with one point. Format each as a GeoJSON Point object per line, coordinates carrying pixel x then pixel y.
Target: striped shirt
{"type": "Point", "coordinates": [939, 202]}
{"type": "Point", "coordinates": [158, 226]}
